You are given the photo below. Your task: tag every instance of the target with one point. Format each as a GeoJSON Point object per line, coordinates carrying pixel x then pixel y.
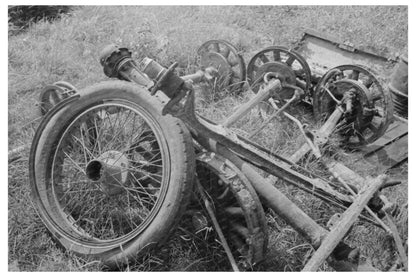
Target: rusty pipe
{"type": "Point", "coordinates": [311, 144]}
{"type": "Point", "coordinates": [264, 93]}
{"type": "Point", "coordinates": [117, 62]}
{"type": "Point", "coordinates": [208, 74]}
{"type": "Point", "coordinates": [295, 97]}
{"type": "Point", "coordinates": [323, 133]}
{"type": "Point", "coordinates": [342, 256]}
{"type": "Point", "coordinates": [276, 200]}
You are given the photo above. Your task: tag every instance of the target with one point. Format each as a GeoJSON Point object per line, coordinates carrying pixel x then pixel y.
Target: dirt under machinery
{"type": "Point", "coordinates": [113, 166]}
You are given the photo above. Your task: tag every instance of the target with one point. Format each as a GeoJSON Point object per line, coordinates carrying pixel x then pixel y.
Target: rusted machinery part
{"type": "Point", "coordinates": [398, 86]}
{"type": "Point", "coordinates": [238, 208]}
{"type": "Point", "coordinates": [67, 86]}
{"type": "Point", "coordinates": [224, 57]}
{"type": "Point", "coordinates": [53, 94]}
{"type": "Point", "coordinates": [289, 64]}
{"type": "Point", "coordinates": [131, 220]}
{"type": "Point", "coordinates": [372, 108]}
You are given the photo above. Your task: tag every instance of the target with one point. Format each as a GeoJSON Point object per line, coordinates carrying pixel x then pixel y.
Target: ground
{"type": "Point", "coordinates": [68, 48]}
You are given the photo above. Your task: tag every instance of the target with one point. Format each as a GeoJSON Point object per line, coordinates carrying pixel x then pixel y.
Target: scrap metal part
{"type": "Point", "coordinates": [249, 159]}
{"type": "Point", "coordinates": [237, 206]}
{"type": "Point", "coordinates": [398, 86]}
{"type": "Point", "coordinates": [323, 52]}
{"type": "Point", "coordinates": [53, 94]}
{"type": "Point", "coordinates": [224, 58]}
{"type": "Point", "coordinates": [288, 64]}
{"type": "Point", "coordinates": [367, 115]}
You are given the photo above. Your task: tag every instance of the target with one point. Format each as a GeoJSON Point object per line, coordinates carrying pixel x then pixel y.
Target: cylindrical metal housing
{"type": "Point", "coordinates": [117, 62]}
{"type": "Point", "coordinates": [398, 86]}
{"type": "Point", "coordinates": [151, 68]}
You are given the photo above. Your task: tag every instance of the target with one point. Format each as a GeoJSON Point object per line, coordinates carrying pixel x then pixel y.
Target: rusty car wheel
{"type": "Point", "coordinates": [225, 58]}
{"type": "Point", "coordinates": [291, 67]}
{"type": "Point", "coordinates": [372, 110]}
{"type": "Point", "coordinates": [110, 177]}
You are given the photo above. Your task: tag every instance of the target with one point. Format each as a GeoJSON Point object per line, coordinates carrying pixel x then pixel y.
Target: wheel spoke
{"type": "Point", "coordinates": [276, 55]}
{"type": "Point", "coordinates": [354, 75]}
{"type": "Point", "coordinates": [300, 72]}
{"type": "Point", "coordinates": [255, 69]}
{"type": "Point", "coordinates": [233, 61]}
{"type": "Point", "coordinates": [236, 74]}
{"type": "Point", "coordinates": [216, 47]}
{"type": "Point", "coordinates": [376, 96]}
{"type": "Point", "coordinates": [290, 60]}
{"type": "Point", "coordinates": [225, 52]}
{"type": "Point", "coordinates": [234, 211]}
{"type": "Point", "coordinates": [368, 82]}
{"type": "Point", "coordinates": [74, 163]}
{"type": "Point", "coordinates": [263, 58]}
{"type": "Point", "coordinates": [360, 137]}
{"type": "Point", "coordinates": [372, 127]}
{"type": "Point", "coordinates": [87, 204]}
{"type": "Point", "coordinates": [241, 230]}
{"type": "Point", "coordinates": [98, 138]}
{"type": "Point", "coordinates": [87, 152]}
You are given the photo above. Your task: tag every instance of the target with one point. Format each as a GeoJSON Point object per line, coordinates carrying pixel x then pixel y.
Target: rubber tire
{"type": "Point", "coordinates": [182, 163]}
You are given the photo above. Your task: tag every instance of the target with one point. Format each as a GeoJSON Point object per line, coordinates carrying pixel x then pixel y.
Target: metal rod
{"type": "Point", "coordinates": [395, 232]}
{"type": "Point", "coordinates": [277, 200]}
{"type": "Point", "coordinates": [397, 240]}
{"type": "Point", "coordinates": [264, 93]}
{"type": "Point", "coordinates": [290, 212]}
{"type": "Point", "coordinates": [207, 74]}
{"type": "Point", "coordinates": [348, 218]}
{"type": "Point", "coordinates": [323, 132]}
{"type": "Point", "coordinates": [196, 77]}
{"type": "Point", "coordinates": [275, 113]}
{"type": "Point", "coordinates": [332, 96]}
{"type": "Point", "coordinates": [311, 144]}
{"type": "Point", "coordinates": [350, 190]}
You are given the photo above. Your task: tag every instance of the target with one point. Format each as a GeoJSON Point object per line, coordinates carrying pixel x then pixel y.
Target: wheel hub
{"type": "Point", "coordinates": [361, 100]}
{"type": "Point", "coordinates": [110, 170]}
{"type": "Point", "coordinates": [284, 72]}
{"type": "Point", "coordinates": [219, 62]}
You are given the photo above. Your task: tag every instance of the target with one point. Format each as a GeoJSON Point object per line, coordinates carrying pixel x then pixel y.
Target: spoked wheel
{"type": "Point", "coordinates": [109, 176]}
{"type": "Point", "coordinates": [224, 57]}
{"type": "Point", "coordinates": [372, 108]}
{"type": "Point", "coordinates": [291, 67]}
{"type": "Point", "coordinates": [237, 208]}
{"type": "Point", "coordinates": [53, 94]}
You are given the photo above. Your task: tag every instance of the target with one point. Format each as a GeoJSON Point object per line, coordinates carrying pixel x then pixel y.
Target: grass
{"type": "Point", "coordinates": [68, 49]}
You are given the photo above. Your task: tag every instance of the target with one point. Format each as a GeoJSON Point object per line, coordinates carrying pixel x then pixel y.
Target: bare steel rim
{"type": "Point", "coordinates": [290, 65]}
{"type": "Point", "coordinates": [224, 57]}
{"type": "Point", "coordinates": [110, 172]}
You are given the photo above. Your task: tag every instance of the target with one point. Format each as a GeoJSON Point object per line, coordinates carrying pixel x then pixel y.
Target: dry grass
{"type": "Point", "coordinates": [68, 49]}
